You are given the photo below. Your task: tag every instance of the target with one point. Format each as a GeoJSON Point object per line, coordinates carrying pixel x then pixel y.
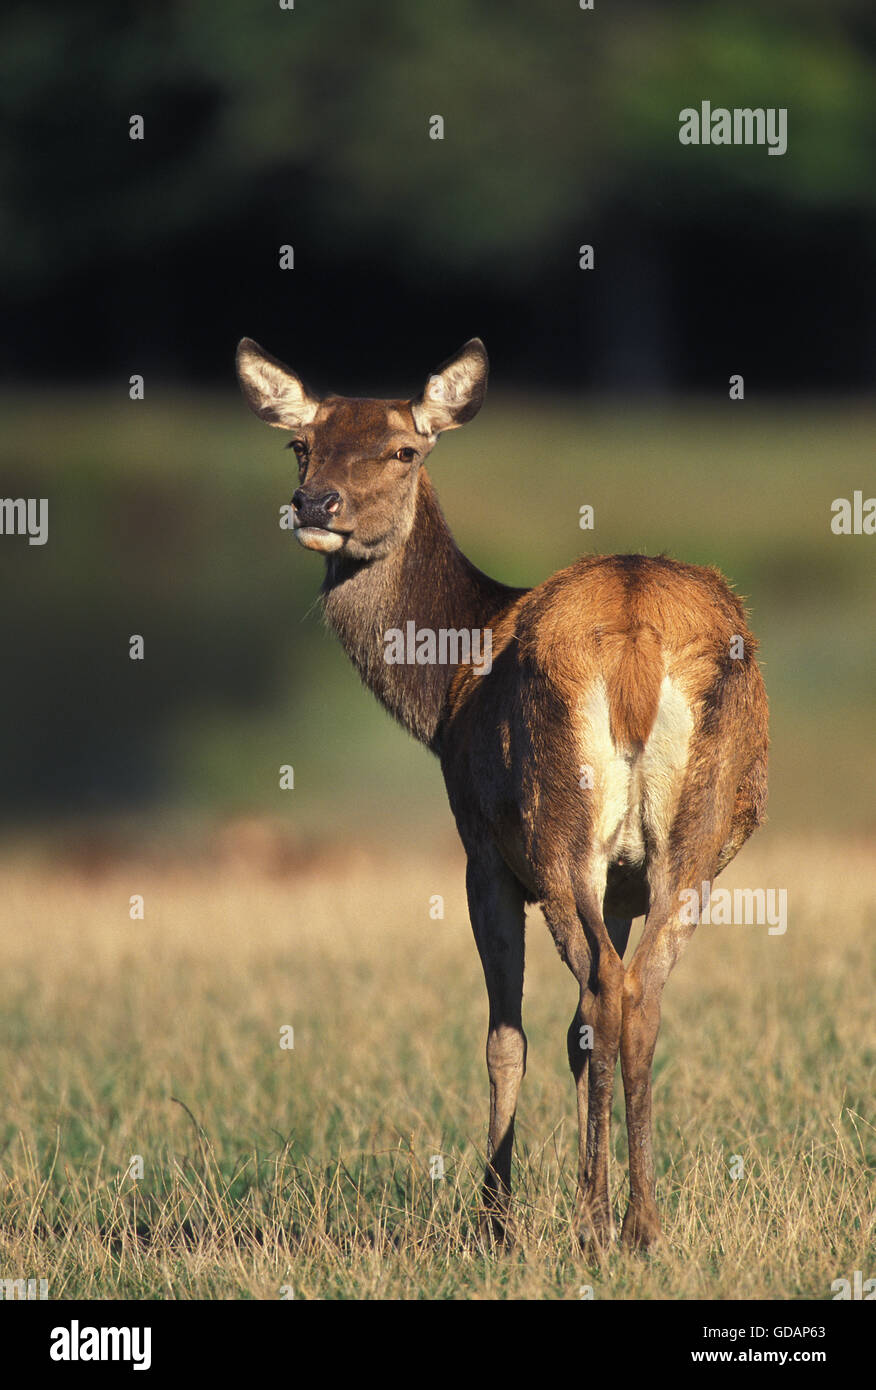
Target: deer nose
{"type": "Point", "coordinates": [316, 510]}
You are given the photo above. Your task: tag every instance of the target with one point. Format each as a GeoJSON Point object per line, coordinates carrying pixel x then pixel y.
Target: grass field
{"type": "Point", "coordinates": [307, 1169]}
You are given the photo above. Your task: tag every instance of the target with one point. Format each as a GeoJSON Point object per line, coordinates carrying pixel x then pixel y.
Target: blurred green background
{"type": "Point", "coordinates": [610, 387]}
{"type": "Point", "coordinates": [171, 530]}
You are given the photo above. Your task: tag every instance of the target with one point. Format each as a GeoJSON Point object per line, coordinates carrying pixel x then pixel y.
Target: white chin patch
{"type": "Point", "coordinates": [315, 538]}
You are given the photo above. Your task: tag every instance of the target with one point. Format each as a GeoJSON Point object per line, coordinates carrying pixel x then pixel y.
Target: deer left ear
{"type": "Point", "coordinates": [455, 392]}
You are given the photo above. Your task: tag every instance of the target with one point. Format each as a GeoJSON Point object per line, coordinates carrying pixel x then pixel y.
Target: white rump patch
{"type": "Point", "coordinates": [634, 789]}
{"type": "Point", "coordinates": [664, 761]}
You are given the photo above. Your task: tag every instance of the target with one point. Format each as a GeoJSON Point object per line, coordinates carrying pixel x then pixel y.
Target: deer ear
{"type": "Point", "coordinates": [272, 389]}
{"type": "Point", "coordinates": [455, 392]}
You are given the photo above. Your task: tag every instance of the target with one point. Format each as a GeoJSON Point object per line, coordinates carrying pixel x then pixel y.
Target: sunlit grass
{"type": "Point", "coordinates": [309, 1169]}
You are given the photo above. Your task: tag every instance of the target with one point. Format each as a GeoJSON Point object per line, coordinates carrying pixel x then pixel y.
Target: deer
{"type": "Point", "coordinates": [609, 758]}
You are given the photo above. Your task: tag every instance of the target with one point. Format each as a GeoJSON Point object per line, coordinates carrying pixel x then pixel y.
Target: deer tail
{"type": "Point", "coordinates": [634, 674]}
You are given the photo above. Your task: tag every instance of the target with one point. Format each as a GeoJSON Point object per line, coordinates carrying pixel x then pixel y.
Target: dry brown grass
{"type": "Point", "coordinates": [309, 1168]}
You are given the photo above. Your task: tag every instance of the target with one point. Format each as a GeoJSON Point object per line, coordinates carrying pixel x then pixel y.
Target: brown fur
{"type": "Point", "coordinates": [624, 660]}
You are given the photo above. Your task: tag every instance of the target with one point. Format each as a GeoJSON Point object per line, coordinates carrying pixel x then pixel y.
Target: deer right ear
{"type": "Point", "coordinates": [272, 389]}
{"type": "Point", "coordinates": [455, 392]}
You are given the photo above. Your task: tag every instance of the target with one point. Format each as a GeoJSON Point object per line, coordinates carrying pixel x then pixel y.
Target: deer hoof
{"type": "Point", "coordinates": [641, 1229]}
{"type": "Point", "coordinates": [595, 1228]}
{"type": "Point", "coordinates": [496, 1230]}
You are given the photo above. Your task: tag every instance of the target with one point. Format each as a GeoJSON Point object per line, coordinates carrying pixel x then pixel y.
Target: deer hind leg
{"type": "Point", "coordinates": [593, 1039]}
{"type": "Point", "coordinates": [497, 909]}
{"type": "Point", "coordinates": [666, 933]}
{"type": "Point", "coordinates": [691, 837]}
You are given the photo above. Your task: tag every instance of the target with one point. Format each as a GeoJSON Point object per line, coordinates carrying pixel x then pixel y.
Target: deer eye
{"type": "Point", "coordinates": [299, 447]}
{"type": "Point", "coordinates": [406, 455]}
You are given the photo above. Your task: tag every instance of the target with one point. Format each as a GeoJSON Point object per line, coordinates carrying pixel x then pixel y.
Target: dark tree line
{"type": "Point", "coordinates": [310, 127]}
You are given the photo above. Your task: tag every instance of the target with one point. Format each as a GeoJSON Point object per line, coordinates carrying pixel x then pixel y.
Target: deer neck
{"type": "Point", "coordinates": [427, 582]}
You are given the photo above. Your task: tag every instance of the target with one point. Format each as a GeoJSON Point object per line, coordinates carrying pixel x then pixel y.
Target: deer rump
{"type": "Point", "coordinates": [641, 689]}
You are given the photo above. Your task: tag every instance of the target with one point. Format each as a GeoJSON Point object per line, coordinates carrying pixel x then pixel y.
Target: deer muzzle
{"type": "Point", "coordinates": [313, 517]}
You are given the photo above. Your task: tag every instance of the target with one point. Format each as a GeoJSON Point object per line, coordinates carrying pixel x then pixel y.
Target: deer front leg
{"type": "Point", "coordinates": [497, 908]}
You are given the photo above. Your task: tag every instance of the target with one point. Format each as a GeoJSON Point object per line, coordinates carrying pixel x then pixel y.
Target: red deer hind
{"type": "Point", "coordinates": [607, 751]}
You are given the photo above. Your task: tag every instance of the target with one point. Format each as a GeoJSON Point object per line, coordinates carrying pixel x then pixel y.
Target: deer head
{"type": "Point", "coordinates": [358, 459]}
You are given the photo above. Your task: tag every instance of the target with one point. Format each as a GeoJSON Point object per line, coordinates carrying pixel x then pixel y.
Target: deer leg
{"type": "Point", "coordinates": [497, 909]}
{"type": "Point", "coordinates": [663, 940]}
{"type": "Point", "coordinates": [593, 1040]}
